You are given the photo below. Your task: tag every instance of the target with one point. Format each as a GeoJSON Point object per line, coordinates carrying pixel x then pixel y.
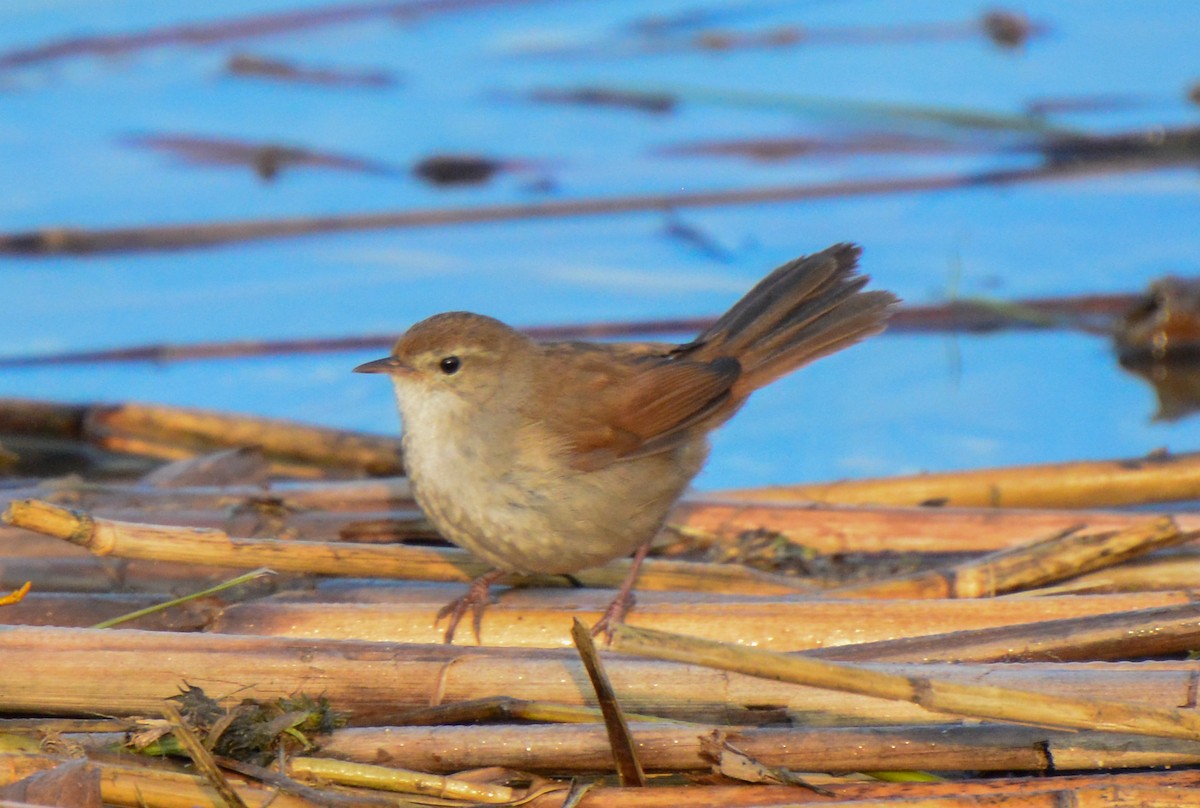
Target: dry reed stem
{"type": "Point", "coordinates": [387, 778]}
{"type": "Point", "coordinates": [1177, 570]}
{"type": "Point", "coordinates": [82, 610]}
{"type": "Point", "coordinates": [496, 708]}
{"type": "Point", "coordinates": [209, 546]}
{"type": "Point", "coordinates": [571, 750]}
{"type": "Point", "coordinates": [1105, 483]}
{"type": "Point", "coordinates": [267, 519]}
{"type": "Point", "coordinates": [88, 573]}
{"type": "Point", "coordinates": [539, 618]}
{"type": "Point", "coordinates": [629, 768]}
{"type": "Point", "coordinates": [369, 496]}
{"type": "Point", "coordinates": [201, 758]}
{"type": "Point", "coordinates": [1039, 794]}
{"type": "Point", "coordinates": [1027, 566]}
{"type": "Point", "coordinates": [1121, 635]}
{"type": "Point", "coordinates": [994, 791]}
{"type": "Point", "coordinates": [66, 672]}
{"type": "Point", "coordinates": [584, 749]}
{"type": "Point", "coordinates": [177, 432]}
{"type": "Point", "coordinates": [199, 431]}
{"type": "Point", "coordinates": [133, 786]}
{"type": "Point", "coordinates": [977, 701]}
{"type": "Point", "coordinates": [827, 528]}
{"type": "Point", "coordinates": [822, 528]}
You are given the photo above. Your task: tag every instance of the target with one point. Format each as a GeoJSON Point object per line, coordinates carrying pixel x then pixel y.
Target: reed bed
{"type": "Point", "coordinates": [1016, 636]}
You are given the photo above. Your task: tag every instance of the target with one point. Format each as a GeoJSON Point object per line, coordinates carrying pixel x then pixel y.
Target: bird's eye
{"type": "Point", "coordinates": [450, 365]}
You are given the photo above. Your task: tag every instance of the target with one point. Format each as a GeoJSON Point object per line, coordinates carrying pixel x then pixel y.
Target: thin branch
{"type": "Point", "coordinates": [77, 241]}
{"type": "Point", "coordinates": [938, 695]}
{"type": "Point", "coordinates": [1093, 314]}
{"type": "Point", "coordinates": [629, 768]}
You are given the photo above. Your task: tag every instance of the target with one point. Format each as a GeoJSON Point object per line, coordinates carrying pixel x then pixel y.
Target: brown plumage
{"type": "Point", "coordinates": [560, 456]}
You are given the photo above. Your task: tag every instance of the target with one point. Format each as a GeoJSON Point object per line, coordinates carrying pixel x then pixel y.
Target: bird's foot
{"type": "Point", "coordinates": [614, 615]}
{"type": "Point", "coordinates": [475, 600]}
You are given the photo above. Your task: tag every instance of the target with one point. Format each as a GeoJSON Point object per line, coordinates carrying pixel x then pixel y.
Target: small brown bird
{"type": "Point", "coordinates": [556, 457]}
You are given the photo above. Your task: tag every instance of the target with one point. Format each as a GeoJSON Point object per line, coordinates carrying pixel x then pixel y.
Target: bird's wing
{"type": "Point", "coordinates": [628, 404]}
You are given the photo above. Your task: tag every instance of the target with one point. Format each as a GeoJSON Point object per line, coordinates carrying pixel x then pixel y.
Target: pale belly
{"type": "Point", "coordinates": [527, 521]}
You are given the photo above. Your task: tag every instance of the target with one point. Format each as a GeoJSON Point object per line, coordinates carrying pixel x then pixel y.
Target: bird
{"type": "Point", "coordinates": [555, 457]}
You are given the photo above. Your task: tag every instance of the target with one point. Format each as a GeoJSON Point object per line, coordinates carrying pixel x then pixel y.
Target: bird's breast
{"type": "Point", "coordinates": [508, 493]}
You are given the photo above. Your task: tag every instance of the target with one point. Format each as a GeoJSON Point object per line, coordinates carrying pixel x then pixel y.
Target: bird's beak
{"type": "Point", "coordinates": [389, 364]}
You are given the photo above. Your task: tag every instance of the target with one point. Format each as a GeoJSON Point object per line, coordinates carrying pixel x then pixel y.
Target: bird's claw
{"type": "Point", "coordinates": [613, 616]}
{"type": "Point", "coordinates": [475, 600]}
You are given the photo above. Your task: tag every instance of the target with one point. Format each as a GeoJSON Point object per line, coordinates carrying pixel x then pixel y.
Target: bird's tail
{"type": "Point", "coordinates": [805, 309]}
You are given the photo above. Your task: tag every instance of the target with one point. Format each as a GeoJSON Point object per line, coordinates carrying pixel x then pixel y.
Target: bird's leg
{"type": "Point", "coordinates": [476, 600]}
{"type": "Point", "coordinates": [623, 602]}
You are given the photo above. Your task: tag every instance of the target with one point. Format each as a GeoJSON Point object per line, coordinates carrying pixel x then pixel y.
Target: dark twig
{"type": "Point", "coordinates": [1083, 158]}
{"type": "Point", "coordinates": [229, 30]}
{"type": "Point", "coordinates": [1093, 314]}
{"type": "Point", "coordinates": [624, 750]}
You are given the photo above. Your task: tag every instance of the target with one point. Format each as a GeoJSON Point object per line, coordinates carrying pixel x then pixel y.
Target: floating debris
{"type": "Point", "coordinates": [601, 97]}
{"type": "Point", "coordinates": [788, 148]}
{"type": "Point", "coordinates": [469, 169]}
{"type": "Point", "coordinates": [243, 64]}
{"type": "Point", "coordinates": [1158, 340]}
{"type": "Point", "coordinates": [1164, 323]}
{"type": "Point", "coordinates": [253, 730]}
{"type": "Point", "coordinates": [1008, 29]}
{"type": "Point", "coordinates": [457, 169]}
{"type": "Point", "coordinates": [1156, 147]}
{"type": "Point", "coordinates": [266, 159]}
{"type": "Point", "coordinates": [1073, 156]}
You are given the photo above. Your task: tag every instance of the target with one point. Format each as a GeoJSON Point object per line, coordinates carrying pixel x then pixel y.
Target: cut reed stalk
{"type": "Point", "coordinates": [1027, 566]}
{"type": "Point", "coordinates": [1157, 790]}
{"type": "Point", "coordinates": [177, 432]}
{"type": "Point", "coordinates": [84, 672]}
{"type": "Point", "coordinates": [583, 749]}
{"type": "Point", "coordinates": [132, 786]}
{"type": "Point", "coordinates": [106, 575]}
{"type": "Point", "coordinates": [541, 618]}
{"type": "Point", "coordinates": [390, 778]}
{"type": "Point", "coordinates": [705, 519]}
{"type": "Point", "coordinates": [977, 701]}
{"type": "Point", "coordinates": [832, 529]}
{"type": "Point", "coordinates": [1096, 484]}
{"type": "Point", "coordinates": [209, 546]}
{"type": "Point", "coordinates": [79, 610]}
{"type": "Point", "coordinates": [1121, 635]}
{"type": "Point", "coordinates": [1177, 570]}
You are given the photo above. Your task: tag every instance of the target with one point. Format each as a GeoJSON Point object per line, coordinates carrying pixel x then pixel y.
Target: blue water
{"type": "Point", "coordinates": [896, 404]}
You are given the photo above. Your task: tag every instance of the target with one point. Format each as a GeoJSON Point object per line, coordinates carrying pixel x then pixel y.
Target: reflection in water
{"type": "Point", "coordinates": [1176, 384]}
{"type": "Point", "coordinates": [1159, 340]}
